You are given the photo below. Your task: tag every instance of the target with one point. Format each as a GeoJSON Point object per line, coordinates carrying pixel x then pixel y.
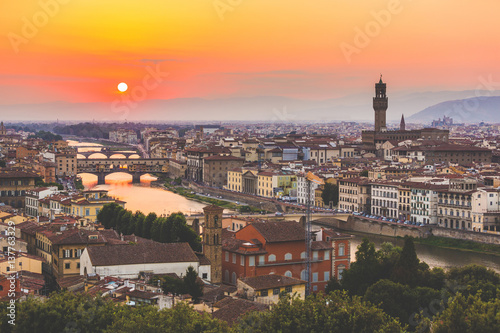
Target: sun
{"type": "Point", "coordinates": [122, 87]}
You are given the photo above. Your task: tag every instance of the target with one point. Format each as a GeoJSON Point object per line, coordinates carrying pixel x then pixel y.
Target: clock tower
{"type": "Point", "coordinates": [212, 241]}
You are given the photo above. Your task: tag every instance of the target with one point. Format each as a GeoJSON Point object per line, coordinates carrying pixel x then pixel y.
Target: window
{"type": "Point", "coordinates": [67, 254]}
{"type": "Point", "coordinates": [326, 276]}
{"type": "Point", "coordinates": [303, 255]}
{"type": "Point", "coordinates": [226, 276]}
{"type": "Point", "coordinates": [251, 261]}
{"type": "Point", "coordinates": [67, 265]}
{"type": "Point", "coordinates": [263, 293]}
{"type": "Point", "coordinates": [315, 255]}
{"type": "Point", "coordinates": [233, 279]}
{"type": "Point", "coordinates": [262, 260]}
{"type": "Point", "coordinates": [341, 250]}
{"type": "Point", "coordinates": [78, 265]}
{"type": "Point", "coordinates": [271, 258]}
{"type": "Point", "coordinates": [242, 260]}
{"type": "Point", "coordinates": [78, 253]}
{"type": "Point", "coordinates": [276, 291]}
{"type": "Point", "coordinates": [234, 258]}
{"type": "Point", "coordinates": [315, 277]}
{"type": "Point", "coordinates": [227, 256]}
{"type": "Point", "coordinates": [288, 289]}
{"type": "Point", "coordinates": [288, 256]}
{"type": "Point", "coordinates": [340, 271]}
{"type": "Point", "coordinates": [303, 275]}
{"type": "Point", "coordinates": [288, 274]}
{"type": "Point", "coordinates": [204, 276]}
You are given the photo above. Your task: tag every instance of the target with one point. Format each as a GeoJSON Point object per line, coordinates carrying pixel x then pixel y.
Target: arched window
{"type": "Point", "coordinates": [233, 279]}
{"type": "Point", "coordinates": [288, 256]}
{"type": "Point", "coordinates": [226, 276]}
{"type": "Point", "coordinates": [216, 218]}
{"type": "Point", "coordinates": [303, 255]}
{"type": "Point", "coordinates": [303, 275]}
{"type": "Point", "coordinates": [288, 273]}
{"type": "Point", "coordinates": [271, 258]}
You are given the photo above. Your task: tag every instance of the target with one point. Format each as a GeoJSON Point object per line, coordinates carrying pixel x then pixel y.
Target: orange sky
{"type": "Point", "coordinates": [81, 49]}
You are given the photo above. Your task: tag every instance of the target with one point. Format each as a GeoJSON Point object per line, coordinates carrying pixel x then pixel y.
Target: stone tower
{"type": "Point", "coordinates": [212, 241]}
{"type": "Point", "coordinates": [402, 124]}
{"type": "Point", "coordinates": [380, 106]}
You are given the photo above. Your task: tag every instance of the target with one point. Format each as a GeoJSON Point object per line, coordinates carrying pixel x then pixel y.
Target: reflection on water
{"type": "Point", "coordinates": [434, 256]}
{"type": "Point", "coordinates": [142, 196]}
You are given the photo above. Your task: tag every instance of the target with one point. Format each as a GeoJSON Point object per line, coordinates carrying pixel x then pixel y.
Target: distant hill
{"type": "Point", "coordinates": [469, 110]}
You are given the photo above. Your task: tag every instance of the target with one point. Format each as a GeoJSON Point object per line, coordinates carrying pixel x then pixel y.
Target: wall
{"type": "Point", "coordinates": [466, 235]}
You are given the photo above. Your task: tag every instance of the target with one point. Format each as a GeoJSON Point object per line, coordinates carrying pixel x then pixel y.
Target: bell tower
{"type": "Point", "coordinates": [380, 106]}
{"type": "Point", "coordinates": [212, 241]}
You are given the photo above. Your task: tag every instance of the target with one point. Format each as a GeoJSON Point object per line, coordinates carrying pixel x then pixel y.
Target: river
{"type": "Point", "coordinates": [434, 256]}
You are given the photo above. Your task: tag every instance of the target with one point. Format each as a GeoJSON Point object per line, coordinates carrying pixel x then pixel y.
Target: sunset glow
{"type": "Point", "coordinates": [76, 51]}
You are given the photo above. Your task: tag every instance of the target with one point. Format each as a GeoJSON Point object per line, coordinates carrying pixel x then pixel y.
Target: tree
{"type": "Point", "coordinates": [335, 312]}
{"type": "Point", "coordinates": [193, 284]}
{"type": "Point", "coordinates": [148, 224]}
{"type": "Point", "coordinates": [406, 270]}
{"type": "Point", "coordinates": [468, 315]}
{"type": "Point", "coordinates": [400, 301]}
{"type": "Point", "coordinates": [139, 223]}
{"type": "Point", "coordinates": [364, 272]}
{"type": "Point", "coordinates": [364, 173]}
{"type": "Point", "coordinates": [330, 194]}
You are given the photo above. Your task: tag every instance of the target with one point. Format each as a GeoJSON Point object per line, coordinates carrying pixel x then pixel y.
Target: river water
{"type": "Point", "coordinates": [434, 256]}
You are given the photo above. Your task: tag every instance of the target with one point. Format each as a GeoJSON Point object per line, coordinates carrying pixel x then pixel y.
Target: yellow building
{"type": "Point", "coordinates": [267, 289]}
{"type": "Point", "coordinates": [265, 184]}
{"type": "Point", "coordinates": [234, 179]}
{"type": "Point", "coordinates": [89, 205]}
{"type": "Point", "coordinates": [22, 262]}
{"type": "Point", "coordinates": [66, 164]}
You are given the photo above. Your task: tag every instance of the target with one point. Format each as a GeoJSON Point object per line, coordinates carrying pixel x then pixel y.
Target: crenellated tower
{"type": "Point", "coordinates": [380, 106]}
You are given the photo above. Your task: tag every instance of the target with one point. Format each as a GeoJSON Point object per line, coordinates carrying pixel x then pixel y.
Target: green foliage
{"type": "Point", "coordinates": [46, 136]}
{"type": "Point", "coordinates": [79, 184]}
{"type": "Point", "coordinates": [335, 312]}
{"type": "Point", "coordinates": [398, 300]}
{"type": "Point", "coordinates": [474, 279]}
{"type": "Point", "coordinates": [330, 194]}
{"type": "Point", "coordinates": [66, 312]}
{"type": "Point", "coordinates": [169, 229]}
{"type": "Point", "coordinates": [364, 173]}
{"type": "Point", "coordinates": [406, 270]}
{"type": "Point", "coordinates": [194, 286]}
{"type": "Point", "coordinates": [469, 315]}
{"type": "Point", "coordinates": [459, 244]}
{"type": "Point", "coordinates": [40, 183]}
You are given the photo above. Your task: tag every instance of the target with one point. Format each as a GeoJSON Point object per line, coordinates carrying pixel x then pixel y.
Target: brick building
{"type": "Point", "coordinates": [264, 248]}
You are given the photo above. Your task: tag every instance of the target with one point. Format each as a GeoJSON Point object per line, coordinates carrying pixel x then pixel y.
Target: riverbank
{"type": "Point", "coordinates": [167, 185]}
{"type": "Point", "coordinates": [459, 244]}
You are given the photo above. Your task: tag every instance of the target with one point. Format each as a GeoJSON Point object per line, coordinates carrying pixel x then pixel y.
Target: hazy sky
{"type": "Point", "coordinates": [79, 50]}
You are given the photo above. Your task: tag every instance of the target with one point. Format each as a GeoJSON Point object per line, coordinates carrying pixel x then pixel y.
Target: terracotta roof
{"type": "Point", "coordinates": [232, 308]}
{"type": "Point", "coordinates": [271, 281]}
{"type": "Point", "coordinates": [212, 208]}
{"type": "Point", "coordinates": [141, 253]}
{"type": "Point", "coordinates": [285, 231]}
{"type": "Point", "coordinates": [223, 158]}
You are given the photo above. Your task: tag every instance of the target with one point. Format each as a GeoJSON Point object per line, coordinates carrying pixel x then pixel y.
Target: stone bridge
{"type": "Point", "coordinates": [135, 167]}
{"type": "Point", "coordinates": [109, 153]}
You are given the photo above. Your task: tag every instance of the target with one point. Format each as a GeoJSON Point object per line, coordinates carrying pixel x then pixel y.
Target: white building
{"type": "Point", "coordinates": [384, 198]}
{"type": "Point", "coordinates": [33, 196]}
{"type": "Point", "coordinates": [486, 210]}
{"type": "Point", "coordinates": [302, 190]}
{"type": "Point", "coordinates": [128, 261]}
{"type": "Point", "coordinates": [423, 201]}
